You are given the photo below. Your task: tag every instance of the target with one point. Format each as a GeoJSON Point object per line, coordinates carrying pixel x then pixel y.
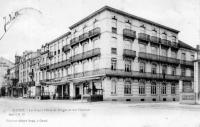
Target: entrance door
{"type": "Point", "coordinates": [77, 92]}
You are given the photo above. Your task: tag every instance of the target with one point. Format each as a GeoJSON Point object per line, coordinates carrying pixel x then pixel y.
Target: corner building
{"type": "Point", "coordinates": [119, 56]}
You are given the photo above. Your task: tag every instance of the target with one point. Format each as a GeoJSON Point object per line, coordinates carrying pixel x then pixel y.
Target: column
{"type": "Point", "coordinates": [180, 89]}
{"type": "Point", "coordinates": [72, 90]}
{"type": "Point", "coordinates": [196, 80]}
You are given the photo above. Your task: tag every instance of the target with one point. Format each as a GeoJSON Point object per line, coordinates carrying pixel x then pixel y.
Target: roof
{"type": "Point", "coordinates": [186, 46]}
{"type": "Point", "coordinates": [60, 37]}
{"type": "Point", "coordinates": [122, 13]}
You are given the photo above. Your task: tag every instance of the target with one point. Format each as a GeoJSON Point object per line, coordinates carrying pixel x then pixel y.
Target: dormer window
{"type": "Point", "coordinates": [114, 18]}
{"type": "Point", "coordinates": [128, 22]}
{"type": "Point", "coordinates": [164, 35]}
{"type": "Point", "coordinates": [154, 32]}
{"type": "Point", "coordinates": [142, 28]}
{"type": "Point", "coordinates": [95, 20]}
{"type": "Point", "coordinates": [75, 31]}
{"type": "Point", "coordinates": [173, 38]}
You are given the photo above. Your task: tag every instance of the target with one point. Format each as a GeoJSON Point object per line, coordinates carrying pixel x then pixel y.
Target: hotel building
{"type": "Point", "coordinates": [111, 55]}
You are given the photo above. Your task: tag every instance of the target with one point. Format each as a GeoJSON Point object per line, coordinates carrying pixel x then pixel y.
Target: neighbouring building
{"type": "Point", "coordinates": [111, 55]}
{"type": "Point", "coordinates": [4, 66]}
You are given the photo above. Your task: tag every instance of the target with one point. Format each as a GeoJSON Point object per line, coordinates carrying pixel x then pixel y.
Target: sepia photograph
{"type": "Point", "coordinates": [99, 63]}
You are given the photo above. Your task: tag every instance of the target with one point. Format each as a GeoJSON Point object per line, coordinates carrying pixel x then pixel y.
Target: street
{"type": "Point", "coordinates": [62, 113]}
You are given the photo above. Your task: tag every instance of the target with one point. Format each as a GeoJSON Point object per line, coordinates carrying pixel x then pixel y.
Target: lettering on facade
{"type": "Point", "coordinates": [188, 97]}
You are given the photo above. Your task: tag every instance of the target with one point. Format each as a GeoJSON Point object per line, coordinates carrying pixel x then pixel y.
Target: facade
{"type": "Point", "coordinates": [124, 57]}
{"type": "Point", "coordinates": [26, 73]}
{"type": "Point", "coordinates": [111, 55]}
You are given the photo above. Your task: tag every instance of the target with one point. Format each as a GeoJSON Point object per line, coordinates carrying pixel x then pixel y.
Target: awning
{"type": "Point", "coordinates": [78, 80]}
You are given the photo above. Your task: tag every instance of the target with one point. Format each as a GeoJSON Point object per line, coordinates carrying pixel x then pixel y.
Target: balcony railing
{"type": "Point", "coordinates": [74, 41]}
{"type": "Point", "coordinates": [187, 63]}
{"type": "Point", "coordinates": [85, 55]}
{"type": "Point", "coordinates": [44, 52]}
{"type": "Point", "coordinates": [165, 42]}
{"type": "Point", "coordinates": [154, 39]}
{"type": "Point", "coordinates": [50, 55]}
{"type": "Point", "coordinates": [187, 78]}
{"type": "Point", "coordinates": [174, 45]}
{"type": "Point", "coordinates": [129, 33]}
{"type": "Point", "coordinates": [143, 37]}
{"type": "Point", "coordinates": [83, 37]}
{"type": "Point", "coordinates": [129, 53]}
{"type": "Point", "coordinates": [123, 73]}
{"type": "Point", "coordinates": [66, 48]}
{"type": "Point", "coordinates": [94, 32]}
{"type": "Point", "coordinates": [44, 66]}
{"type": "Point", "coordinates": [60, 64]}
{"type": "Point", "coordinates": [31, 74]}
{"type": "Point", "coordinates": [153, 57]}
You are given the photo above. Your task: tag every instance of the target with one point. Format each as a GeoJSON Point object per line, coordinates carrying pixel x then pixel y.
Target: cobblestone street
{"type": "Point", "coordinates": [36, 113]}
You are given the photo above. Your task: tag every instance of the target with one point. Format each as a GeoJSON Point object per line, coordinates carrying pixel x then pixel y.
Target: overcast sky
{"type": "Point", "coordinates": [32, 29]}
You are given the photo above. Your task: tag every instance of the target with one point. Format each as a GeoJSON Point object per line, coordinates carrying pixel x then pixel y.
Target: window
{"type": "Point", "coordinates": [153, 69]}
{"type": "Point", "coordinates": [154, 50]}
{"type": "Point", "coordinates": [192, 57]}
{"type": "Point", "coordinates": [192, 72]}
{"type": "Point", "coordinates": [127, 88]}
{"type": "Point", "coordinates": [183, 56]}
{"type": "Point", "coordinates": [113, 87]}
{"type": "Point", "coordinates": [173, 70]}
{"type": "Point", "coordinates": [59, 51]}
{"type": "Point", "coordinates": [54, 52]}
{"type": "Point", "coordinates": [164, 69]}
{"type": "Point", "coordinates": [173, 54]}
{"type": "Point", "coordinates": [142, 48]}
{"type": "Point", "coordinates": [113, 50]}
{"type": "Point", "coordinates": [173, 88]}
{"type": "Point", "coordinates": [113, 64]}
{"type": "Point", "coordinates": [164, 52]}
{"type": "Point", "coordinates": [141, 88]}
{"type": "Point", "coordinates": [96, 64]}
{"type": "Point", "coordinates": [142, 67]}
{"type": "Point", "coordinates": [75, 50]}
{"type": "Point", "coordinates": [114, 30]}
{"type": "Point", "coordinates": [163, 88]}
{"type": "Point", "coordinates": [182, 71]}
{"type": "Point", "coordinates": [128, 65]}
{"type": "Point", "coordinates": [153, 88]}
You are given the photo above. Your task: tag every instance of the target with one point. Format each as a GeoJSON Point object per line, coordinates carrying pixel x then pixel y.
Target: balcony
{"type": "Point", "coordinates": [187, 78]}
{"type": "Point", "coordinates": [187, 63]}
{"type": "Point", "coordinates": [66, 48]}
{"type": "Point", "coordinates": [60, 64]}
{"type": "Point", "coordinates": [74, 41]}
{"type": "Point", "coordinates": [44, 66]}
{"type": "Point", "coordinates": [83, 37]}
{"type": "Point", "coordinates": [129, 33]}
{"type": "Point", "coordinates": [123, 73]}
{"type": "Point", "coordinates": [153, 57]}
{"type": "Point", "coordinates": [165, 42]}
{"type": "Point", "coordinates": [94, 32]}
{"type": "Point", "coordinates": [154, 39]}
{"type": "Point", "coordinates": [174, 45]}
{"type": "Point", "coordinates": [143, 37]}
{"type": "Point", "coordinates": [129, 53]}
{"type": "Point", "coordinates": [50, 55]}
{"type": "Point", "coordinates": [44, 52]}
{"type": "Point", "coordinates": [31, 74]}
{"type": "Point", "coordinates": [85, 55]}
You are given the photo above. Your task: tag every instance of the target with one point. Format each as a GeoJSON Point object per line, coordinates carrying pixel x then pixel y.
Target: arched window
{"type": "Point", "coordinates": [163, 88]}
{"type": "Point", "coordinates": [153, 88]}
{"type": "Point", "coordinates": [142, 88]}
{"type": "Point", "coordinates": [142, 67]}
{"type": "Point", "coordinates": [113, 87]}
{"type": "Point", "coordinates": [127, 88]}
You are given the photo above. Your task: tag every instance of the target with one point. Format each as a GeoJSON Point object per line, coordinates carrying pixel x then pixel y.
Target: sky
{"type": "Point", "coordinates": [49, 19]}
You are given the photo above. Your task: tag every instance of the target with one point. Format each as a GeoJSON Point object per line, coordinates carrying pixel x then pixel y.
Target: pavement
{"type": "Point", "coordinates": [18, 112]}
